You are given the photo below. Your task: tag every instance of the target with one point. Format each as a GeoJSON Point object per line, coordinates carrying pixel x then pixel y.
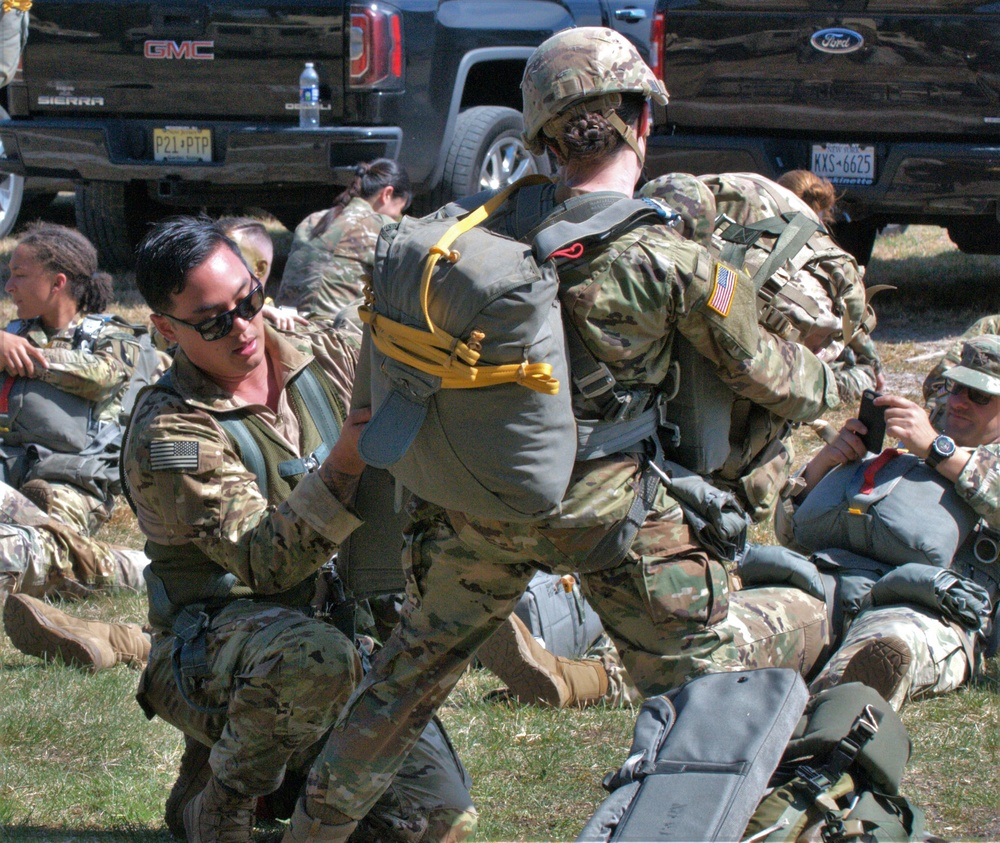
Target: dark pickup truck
{"type": "Point", "coordinates": [153, 108]}
{"type": "Point", "coordinates": [897, 102]}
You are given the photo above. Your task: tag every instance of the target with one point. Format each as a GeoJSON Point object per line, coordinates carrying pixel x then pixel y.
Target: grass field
{"type": "Point", "coordinates": [78, 761]}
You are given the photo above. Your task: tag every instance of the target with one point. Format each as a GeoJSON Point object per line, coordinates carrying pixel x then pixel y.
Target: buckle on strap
{"type": "Point", "coordinates": [817, 780]}
{"type": "Point", "coordinates": [596, 383]}
{"type": "Point", "coordinates": [303, 465]}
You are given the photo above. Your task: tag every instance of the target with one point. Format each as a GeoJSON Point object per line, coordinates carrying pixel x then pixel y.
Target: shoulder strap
{"type": "Point", "coordinates": [250, 452]}
{"type": "Point", "coordinates": [318, 405]}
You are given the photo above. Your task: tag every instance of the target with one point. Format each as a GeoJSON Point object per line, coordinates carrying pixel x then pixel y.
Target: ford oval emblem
{"type": "Point", "coordinates": [837, 40]}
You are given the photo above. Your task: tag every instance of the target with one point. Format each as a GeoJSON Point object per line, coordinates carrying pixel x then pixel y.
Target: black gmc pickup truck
{"type": "Point", "coordinates": [153, 108]}
{"type": "Point", "coordinates": [897, 102]}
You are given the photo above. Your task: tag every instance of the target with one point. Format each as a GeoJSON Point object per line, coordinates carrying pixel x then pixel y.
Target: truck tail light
{"type": "Point", "coordinates": [376, 47]}
{"type": "Point", "coordinates": [658, 27]}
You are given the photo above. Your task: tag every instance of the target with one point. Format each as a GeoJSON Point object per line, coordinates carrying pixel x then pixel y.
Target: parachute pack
{"type": "Point", "coordinates": [786, 767]}
{"type": "Point", "coordinates": [468, 368]}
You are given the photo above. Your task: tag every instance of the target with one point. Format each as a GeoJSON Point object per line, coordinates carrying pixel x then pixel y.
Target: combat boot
{"type": "Point", "coordinates": [219, 815]}
{"type": "Point", "coordinates": [39, 492]}
{"type": "Point", "coordinates": [191, 780]}
{"type": "Point", "coordinates": [40, 629]}
{"type": "Point", "coordinates": [534, 675]}
{"type": "Point", "coordinates": [882, 664]}
{"type": "Point", "coordinates": [304, 829]}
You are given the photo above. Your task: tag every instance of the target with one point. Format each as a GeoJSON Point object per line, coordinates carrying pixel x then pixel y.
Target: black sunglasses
{"type": "Point", "coordinates": [219, 326]}
{"type": "Point", "coordinates": [975, 396]}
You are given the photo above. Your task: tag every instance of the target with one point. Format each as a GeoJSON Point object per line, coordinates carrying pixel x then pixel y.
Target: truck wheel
{"type": "Point", "coordinates": [113, 217]}
{"type": "Point", "coordinates": [976, 235]}
{"type": "Point", "coordinates": [486, 153]}
{"type": "Point", "coordinates": [858, 238]}
{"type": "Point", "coordinates": [11, 194]}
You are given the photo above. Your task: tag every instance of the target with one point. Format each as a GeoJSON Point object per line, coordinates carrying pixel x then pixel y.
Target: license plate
{"type": "Point", "coordinates": [844, 163]}
{"type": "Point", "coordinates": [182, 143]}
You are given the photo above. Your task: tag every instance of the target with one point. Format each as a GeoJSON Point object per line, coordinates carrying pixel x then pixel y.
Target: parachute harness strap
{"type": "Point", "coordinates": [434, 351]}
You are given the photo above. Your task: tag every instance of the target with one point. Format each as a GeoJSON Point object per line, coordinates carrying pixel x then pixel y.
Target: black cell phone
{"type": "Point", "coordinates": [873, 418]}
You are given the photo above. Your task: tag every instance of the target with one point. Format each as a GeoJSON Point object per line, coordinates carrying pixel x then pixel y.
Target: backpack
{"type": "Point", "coordinates": [896, 512]}
{"type": "Point", "coordinates": [556, 613]}
{"type": "Point", "coordinates": [784, 766]}
{"type": "Point", "coordinates": [839, 777]}
{"type": "Point", "coordinates": [468, 363]}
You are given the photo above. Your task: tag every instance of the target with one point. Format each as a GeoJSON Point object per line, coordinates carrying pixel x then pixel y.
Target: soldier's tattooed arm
{"type": "Point", "coordinates": [341, 470]}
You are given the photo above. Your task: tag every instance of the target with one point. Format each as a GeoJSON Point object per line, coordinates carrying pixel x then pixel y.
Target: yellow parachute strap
{"type": "Point", "coordinates": [20, 5]}
{"type": "Point", "coordinates": [438, 353]}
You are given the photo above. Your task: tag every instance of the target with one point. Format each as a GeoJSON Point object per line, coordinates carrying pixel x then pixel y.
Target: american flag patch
{"type": "Point", "coordinates": [724, 289]}
{"type": "Point", "coordinates": [173, 455]}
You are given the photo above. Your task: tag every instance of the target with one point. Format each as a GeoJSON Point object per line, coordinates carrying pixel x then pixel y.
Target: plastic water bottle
{"type": "Point", "coordinates": [309, 97]}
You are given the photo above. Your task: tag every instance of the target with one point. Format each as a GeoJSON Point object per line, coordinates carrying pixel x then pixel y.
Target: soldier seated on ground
{"type": "Point", "coordinates": [333, 251]}
{"type": "Point", "coordinates": [902, 648]}
{"type": "Point", "coordinates": [219, 460]}
{"type": "Point", "coordinates": [65, 368]}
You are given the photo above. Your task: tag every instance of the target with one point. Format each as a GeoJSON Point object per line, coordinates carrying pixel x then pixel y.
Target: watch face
{"type": "Point", "coordinates": [944, 445]}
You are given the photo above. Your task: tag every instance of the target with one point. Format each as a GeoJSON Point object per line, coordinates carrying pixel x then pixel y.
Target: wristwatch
{"type": "Point", "coordinates": [941, 448]}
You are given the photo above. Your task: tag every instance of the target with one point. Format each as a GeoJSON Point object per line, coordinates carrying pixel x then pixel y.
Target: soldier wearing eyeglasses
{"type": "Point", "coordinates": [927, 642]}
{"type": "Point", "coordinates": [238, 662]}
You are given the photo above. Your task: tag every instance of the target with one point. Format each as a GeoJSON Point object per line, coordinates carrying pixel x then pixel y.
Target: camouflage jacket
{"type": "Point", "coordinates": [935, 387]}
{"type": "Point", "coordinates": [100, 375]}
{"type": "Point", "coordinates": [325, 273]}
{"type": "Point", "coordinates": [190, 486]}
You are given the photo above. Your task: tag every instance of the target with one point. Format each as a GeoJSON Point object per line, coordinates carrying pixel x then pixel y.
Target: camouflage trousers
{"type": "Point", "coordinates": [668, 608]}
{"type": "Point", "coordinates": [54, 554]}
{"type": "Point", "coordinates": [940, 661]}
{"type": "Point", "coordinates": [277, 679]}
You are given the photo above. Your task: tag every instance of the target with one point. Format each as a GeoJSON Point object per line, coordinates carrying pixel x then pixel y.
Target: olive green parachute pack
{"type": "Point", "coordinates": [468, 372]}
{"type": "Point", "coordinates": [784, 767]}
{"type": "Point", "coordinates": [809, 290]}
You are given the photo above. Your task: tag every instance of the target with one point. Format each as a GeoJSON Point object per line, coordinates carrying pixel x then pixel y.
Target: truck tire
{"type": "Point", "coordinates": [486, 152]}
{"type": "Point", "coordinates": [11, 194]}
{"type": "Point", "coordinates": [112, 216]}
{"type": "Point", "coordinates": [976, 235]}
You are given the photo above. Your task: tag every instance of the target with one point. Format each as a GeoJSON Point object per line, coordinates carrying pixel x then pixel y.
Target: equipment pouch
{"type": "Point", "coordinates": [714, 515]}
{"type": "Point", "coordinates": [958, 599]}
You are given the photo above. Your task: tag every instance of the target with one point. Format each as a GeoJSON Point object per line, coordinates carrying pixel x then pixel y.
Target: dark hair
{"type": "Point", "coordinates": [814, 190]}
{"type": "Point", "coordinates": [173, 248]}
{"type": "Point", "coordinates": [589, 137]}
{"type": "Point", "coordinates": [66, 250]}
{"type": "Point", "coordinates": [369, 179]}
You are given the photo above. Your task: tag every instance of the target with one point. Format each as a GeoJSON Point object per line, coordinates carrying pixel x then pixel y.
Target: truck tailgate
{"type": "Point", "coordinates": [181, 59]}
{"type": "Point", "coordinates": [906, 66]}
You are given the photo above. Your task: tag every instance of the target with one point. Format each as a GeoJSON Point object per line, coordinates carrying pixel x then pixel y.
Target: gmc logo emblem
{"type": "Point", "coordinates": [182, 50]}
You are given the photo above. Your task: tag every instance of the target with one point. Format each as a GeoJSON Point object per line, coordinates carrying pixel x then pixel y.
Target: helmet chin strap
{"type": "Point", "coordinates": [629, 136]}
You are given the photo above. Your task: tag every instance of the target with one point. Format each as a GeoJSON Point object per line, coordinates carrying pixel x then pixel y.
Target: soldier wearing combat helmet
{"type": "Point", "coordinates": [665, 598]}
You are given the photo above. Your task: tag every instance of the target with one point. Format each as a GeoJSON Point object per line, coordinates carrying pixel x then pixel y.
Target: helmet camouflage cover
{"type": "Point", "coordinates": [588, 65]}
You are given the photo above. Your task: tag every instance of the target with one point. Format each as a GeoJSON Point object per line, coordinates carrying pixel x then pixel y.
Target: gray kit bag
{"type": "Point", "coordinates": [563, 621]}
{"type": "Point", "coordinates": [701, 758]}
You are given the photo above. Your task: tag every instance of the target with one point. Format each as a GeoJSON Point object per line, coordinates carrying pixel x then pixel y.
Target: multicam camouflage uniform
{"type": "Point", "coordinates": [326, 273]}
{"type": "Point", "coordinates": [812, 298]}
{"type": "Point", "coordinates": [935, 386]}
{"type": "Point", "coordinates": [276, 676]}
{"type": "Point", "coordinates": [669, 605]}
{"type": "Point", "coordinates": [63, 558]}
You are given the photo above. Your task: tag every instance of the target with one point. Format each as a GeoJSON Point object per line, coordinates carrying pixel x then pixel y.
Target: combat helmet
{"type": "Point", "coordinates": [580, 70]}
